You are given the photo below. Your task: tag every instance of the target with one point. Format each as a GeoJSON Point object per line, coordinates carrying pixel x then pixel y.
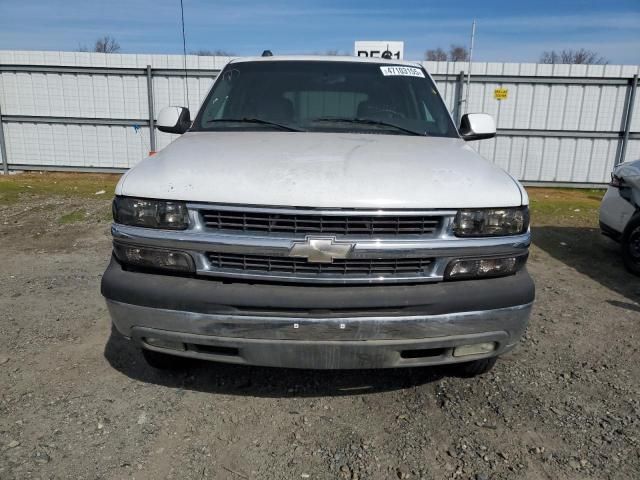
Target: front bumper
{"type": "Point", "coordinates": [338, 327]}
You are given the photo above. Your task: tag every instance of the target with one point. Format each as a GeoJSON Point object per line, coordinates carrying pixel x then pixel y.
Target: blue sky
{"type": "Point", "coordinates": [507, 30]}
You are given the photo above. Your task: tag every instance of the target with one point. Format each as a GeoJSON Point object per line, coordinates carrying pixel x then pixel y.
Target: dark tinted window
{"type": "Point", "coordinates": [325, 96]}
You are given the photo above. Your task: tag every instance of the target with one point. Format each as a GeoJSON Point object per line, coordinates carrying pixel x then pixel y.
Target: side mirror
{"type": "Point", "coordinates": [174, 120]}
{"type": "Point", "coordinates": [477, 126]}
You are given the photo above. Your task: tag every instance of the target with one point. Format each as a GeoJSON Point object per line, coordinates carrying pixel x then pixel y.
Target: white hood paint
{"type": "Point", "coordinates": [322, 170]}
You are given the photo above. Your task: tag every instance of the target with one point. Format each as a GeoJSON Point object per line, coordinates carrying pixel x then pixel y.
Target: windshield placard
{"type": "Point", "coordinates": [401, 71]}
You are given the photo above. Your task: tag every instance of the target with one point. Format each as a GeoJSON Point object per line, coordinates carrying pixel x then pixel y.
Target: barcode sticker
{"type": "Point", "coordinates": [401, 71]}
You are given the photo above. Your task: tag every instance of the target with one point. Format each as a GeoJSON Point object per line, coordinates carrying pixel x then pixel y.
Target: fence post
{"type": "Point", "coordinates": [627, 119]}
{"type": "Point", "coordinates": [459, 100]}
{"type": "Point", "coordinates": [152, 122]}
{"type": "Point", "coordinates": [3, 148]}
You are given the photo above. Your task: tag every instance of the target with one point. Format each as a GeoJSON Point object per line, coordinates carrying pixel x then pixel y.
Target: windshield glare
{"type": "Point", "coordinates": [325, 96]}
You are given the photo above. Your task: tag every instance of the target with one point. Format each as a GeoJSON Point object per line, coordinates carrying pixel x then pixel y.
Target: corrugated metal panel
{"type": "Point", "coordinates": [542, 106]}
{"type": "Point", "coordinates": [560, 107]}
{"type": "Point", "coordinates": [75, 145]}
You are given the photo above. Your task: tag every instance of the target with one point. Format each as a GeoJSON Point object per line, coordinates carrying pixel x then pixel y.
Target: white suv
{"type": "Point", "coordinates": [321, 212]}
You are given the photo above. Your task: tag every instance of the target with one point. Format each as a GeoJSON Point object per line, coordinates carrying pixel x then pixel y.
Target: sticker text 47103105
{"type": "Point", "coordinates": [401, 71]}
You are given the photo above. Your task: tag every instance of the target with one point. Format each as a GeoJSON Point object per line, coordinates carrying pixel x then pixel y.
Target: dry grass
{"type": "Point", "coordinates": [571, 207]}
{"type": "Point", "coordinates": [12, 187]}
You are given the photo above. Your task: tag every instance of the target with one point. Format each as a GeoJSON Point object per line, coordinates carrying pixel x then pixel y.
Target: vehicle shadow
{"type": "Point", "coordinates": [229, 379]}
{"type": "Point", "coordinates": [590, 253]}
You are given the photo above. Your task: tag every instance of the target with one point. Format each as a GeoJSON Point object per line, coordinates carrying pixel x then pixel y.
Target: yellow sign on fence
{"type": "Point", "coordinates": [500, 93]}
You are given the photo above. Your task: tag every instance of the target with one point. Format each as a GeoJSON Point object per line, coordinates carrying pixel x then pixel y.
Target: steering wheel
{"type": "Point", "coordinates": [389, 113]}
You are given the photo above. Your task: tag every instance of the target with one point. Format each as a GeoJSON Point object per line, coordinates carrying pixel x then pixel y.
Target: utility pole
{"type": "Point", "coordinates": [466, 96]}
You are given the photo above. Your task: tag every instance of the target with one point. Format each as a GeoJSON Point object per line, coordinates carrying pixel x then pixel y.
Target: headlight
{"type": "Point", "coordinates": [467, 268]}
{"type": "Point", "coordinates": [142, 212]}
{"type": "Point", "coordinates": [153, 258]}
{"type": "Point", "coordinates": [491, 222]}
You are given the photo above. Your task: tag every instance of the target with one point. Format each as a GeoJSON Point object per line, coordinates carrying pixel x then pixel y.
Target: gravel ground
{"type": "Point", "coordinates": [77, 401]}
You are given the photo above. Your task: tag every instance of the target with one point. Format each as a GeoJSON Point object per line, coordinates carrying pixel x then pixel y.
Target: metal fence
{"type": "Point", "coordinates": [563, 124]}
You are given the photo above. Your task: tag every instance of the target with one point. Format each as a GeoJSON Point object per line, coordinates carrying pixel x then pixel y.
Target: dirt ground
{"type": "Point", "coordinates": [77, 401]}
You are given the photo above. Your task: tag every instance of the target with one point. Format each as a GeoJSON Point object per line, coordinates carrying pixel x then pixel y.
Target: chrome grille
{"type": "Point", "coordinates": [289, 266]}
{"type": "Point", "coordinates": [307, 222]}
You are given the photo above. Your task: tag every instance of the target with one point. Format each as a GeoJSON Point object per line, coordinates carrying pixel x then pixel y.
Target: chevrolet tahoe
{"type": "Point", "coordinates": [322, 213]}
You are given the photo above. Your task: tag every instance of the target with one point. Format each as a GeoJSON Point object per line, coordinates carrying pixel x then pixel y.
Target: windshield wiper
{"type": "Point", "coordinates": [367, 121]}
{"type": "Point", "coordinates": [258, 121]}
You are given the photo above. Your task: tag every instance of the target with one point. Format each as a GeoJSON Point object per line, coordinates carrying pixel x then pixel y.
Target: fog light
{"type": "Point", "coordinates": [153, 257]}
{"type": "Point", "coordinates": [476, 349]}
{"type": "Point", "coordinates": [162, 343]}
{"type": "Point", "coordinates": [484, 267]}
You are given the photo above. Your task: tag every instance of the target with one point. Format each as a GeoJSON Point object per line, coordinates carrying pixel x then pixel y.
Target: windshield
{"type": "Point", "coordinates": [321, 96]}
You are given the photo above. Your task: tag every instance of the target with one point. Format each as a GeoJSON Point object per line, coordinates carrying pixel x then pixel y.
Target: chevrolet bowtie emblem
{"type": "Point", "coordinates": [320, 249]}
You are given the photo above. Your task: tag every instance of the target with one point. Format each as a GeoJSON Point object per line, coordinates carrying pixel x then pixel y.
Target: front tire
{"type": "Point", "coordinates": [475, 368]}
{"type": "Point", "coordinates": [631, 246]}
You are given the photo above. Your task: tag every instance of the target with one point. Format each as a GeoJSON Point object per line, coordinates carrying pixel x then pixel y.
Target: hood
{"type": "Point", "coordinates": [332, 170]}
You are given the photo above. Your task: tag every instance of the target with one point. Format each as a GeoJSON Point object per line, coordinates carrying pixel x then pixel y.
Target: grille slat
{"type": "Point", "coordinates": [310, 223]}
{"type": "Point", "coordinates": [300, 266]}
